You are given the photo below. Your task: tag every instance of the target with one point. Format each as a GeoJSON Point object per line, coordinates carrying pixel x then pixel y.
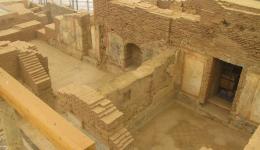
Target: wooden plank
{"type": "Point", "coordinates": [60, 132]}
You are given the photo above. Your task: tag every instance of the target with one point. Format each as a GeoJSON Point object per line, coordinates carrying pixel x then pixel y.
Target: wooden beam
{"type": "Point", "coordinates": [59, 131]}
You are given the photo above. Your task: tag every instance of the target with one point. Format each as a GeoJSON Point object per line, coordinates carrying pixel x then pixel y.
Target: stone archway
{"type": "Point", "coordinates": [133, 55]}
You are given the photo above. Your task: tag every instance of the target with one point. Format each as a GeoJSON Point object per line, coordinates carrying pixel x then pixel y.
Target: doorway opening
{"type": "Point", "coordinates": [133, 56]}
{"type": "Point", "coordinates": [224, 81]}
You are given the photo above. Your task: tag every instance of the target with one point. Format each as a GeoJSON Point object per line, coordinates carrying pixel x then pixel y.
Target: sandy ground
{"type": "Point", "coordinates": [65, 69]}
{"type": "Point", "coordinates": [178, 128]}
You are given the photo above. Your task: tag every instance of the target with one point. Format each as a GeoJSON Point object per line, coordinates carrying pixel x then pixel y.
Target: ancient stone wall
{"type": "Point", "coordinates": [210, 29]}
{"type": "Point", "coordinates": [138, 93]}
{"type": "Point", "coordinates": [22, 61]}
{"type": "Point", "coordinates": [139, 23]}
{"type": "Point", "coordinates": [70, 33]}
{"type": "Point", "coordinates": [98, 115]}
{"type": "Point", "coordinates": [9, 60]}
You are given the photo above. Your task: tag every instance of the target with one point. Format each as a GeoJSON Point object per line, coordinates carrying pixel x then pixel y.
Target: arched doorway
{"type": "Point", "coordinates": [133, 55]}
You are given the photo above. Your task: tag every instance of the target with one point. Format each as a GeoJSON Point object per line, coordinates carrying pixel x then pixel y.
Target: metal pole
{"type": "Point", "coordinates": [77, 4]}
{"type": "Point", "coordinates": [88, 6]}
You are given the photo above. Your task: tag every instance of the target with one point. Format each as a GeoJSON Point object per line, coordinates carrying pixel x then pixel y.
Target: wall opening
{"type": "Point", "coordinates": [164, 4]}
{"type": "Point", "coordinates": [133, 56]}
{"type": "Point", "coordinates": [224, 81]}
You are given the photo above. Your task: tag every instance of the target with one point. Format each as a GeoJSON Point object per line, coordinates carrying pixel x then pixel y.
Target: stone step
{"type": "Point", "coordinates": [29, 61]}
{"type": "Point", "coordinates": [113, 116]}
{"type": "Point", "coordinates": [118, 134]}
{"type": "Point", "coordinates": [28, 65]}
{"type": "Point", "coordinates": [34, 68]}
{"type": "Point", "coordinates": [125, 142]}
{"type": "Point", "coordinates": [121, 137]}
{"type": "Point", "coordinates": [38, 78]}
{"type": "Point", "coordinates": [107, 112]}
{"type": "Point", "coordinates": [41, 73]}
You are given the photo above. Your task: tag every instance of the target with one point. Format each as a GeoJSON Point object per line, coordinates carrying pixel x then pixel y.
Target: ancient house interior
{"type": "Point", "coordinates": [130, 75]}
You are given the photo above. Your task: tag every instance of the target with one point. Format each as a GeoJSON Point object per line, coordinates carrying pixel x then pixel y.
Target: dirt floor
{"type": "Point", "coordinates": [178, 128]}
{"type": "Point", "coordinates": [65, 69]}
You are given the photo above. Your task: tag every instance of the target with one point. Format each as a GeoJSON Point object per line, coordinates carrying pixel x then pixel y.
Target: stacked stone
{"type": "Point", "coordinates": [98, 114]}
{"type": "Point", "coordinates": [100, 10]}
{"type": "Point", "coordinates": [8, 60]}
{"type": "Point", "coordinates": [182, 30]}
{"type": "Point", "coordinates": [138, 18]}
{"type": "Point", "coordinates": [24, 31]}
{"type": "Point", "coordinates": [34, 73]}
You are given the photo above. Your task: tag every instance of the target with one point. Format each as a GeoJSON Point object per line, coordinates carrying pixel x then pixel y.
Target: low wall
{"type": "Point", "coordinates": [138, 93]}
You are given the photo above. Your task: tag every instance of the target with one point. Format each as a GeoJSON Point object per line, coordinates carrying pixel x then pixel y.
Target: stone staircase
{"type": "Point", "coordinates": [121, 139]}
{"type": "Point", "coordinates": [34, 74]}
{"type": "Point", "coordinates": [98, 115]}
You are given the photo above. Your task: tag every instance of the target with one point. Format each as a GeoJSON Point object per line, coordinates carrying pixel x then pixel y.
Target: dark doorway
{"type": "Point", "coordinates": [133, 56]}
{"type": "Point", "coordinates": [224, 81]}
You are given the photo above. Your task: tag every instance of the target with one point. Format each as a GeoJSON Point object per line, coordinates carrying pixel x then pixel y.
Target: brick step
{"type": "Point", "coordinates": [43, 84]}
{"type": "Point", "coordinates": [35, 67]}
{"type": "Point", "coordinates": [32, 70]}
{"type": "Point", "coordinates": [24, 54]}
{"type": "Point", "coordinates": [35, 71]}
{"type": "Point", "coordinates": [107, 112]}
{"type": "Point", "coordinates": [110, 118]}
{"type": "Point", "coordinates": [29, 61]}
{"type": "Point", "coordinates": [99, 109]}
{"type": "Point", "coordinates": [28, 65]}
{"type": "Point", "coordinates": [125, 142]}
{"type": "Point", "coordinates": [40, 73]}
{"type": "Point", "coordinates": [39, 78]}
{"type": "Point", "coordinates": [100, 103]}
{"type": "Point", "coordinates": [118, 134]}
{"type": "Point", "coordinates": [121, 138]}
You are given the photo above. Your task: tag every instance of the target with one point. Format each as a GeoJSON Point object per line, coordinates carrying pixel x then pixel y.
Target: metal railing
{"type": "Point", "coordinates": [74, 4]}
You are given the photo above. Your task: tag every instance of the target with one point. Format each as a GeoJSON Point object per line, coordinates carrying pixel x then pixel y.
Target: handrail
{"type": "Point", "coordinates": [59, 131]}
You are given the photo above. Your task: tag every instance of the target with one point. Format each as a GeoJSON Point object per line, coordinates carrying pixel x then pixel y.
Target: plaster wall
{"type": "Point", "coordinates": [249, 101]}
{"type": "Point", "coordinates": [72, 34]}
{"type": "Point", "coordinates": [193, 73]}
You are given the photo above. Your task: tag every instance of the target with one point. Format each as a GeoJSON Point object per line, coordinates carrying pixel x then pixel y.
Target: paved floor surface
{"type": "Point", "coordinates": [178, 128]}
{"type": "Point", "coordinates": [65, 69]}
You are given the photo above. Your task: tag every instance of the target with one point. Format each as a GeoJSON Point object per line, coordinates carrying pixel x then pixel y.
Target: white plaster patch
{"type": "Point", "coordinates": [193, 73]}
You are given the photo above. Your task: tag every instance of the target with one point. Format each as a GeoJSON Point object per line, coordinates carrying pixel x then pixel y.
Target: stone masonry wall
{"type": "Point", "coordinates": [138, 93]}
{"type": "Point", "coordinates": [137, 25]}
{"type": "Point", "coordinates": [98, 115]}
{"type": "Point", "coordinates": [140, 22]}
{"type": "Point", "coordinates": [70, 33]}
